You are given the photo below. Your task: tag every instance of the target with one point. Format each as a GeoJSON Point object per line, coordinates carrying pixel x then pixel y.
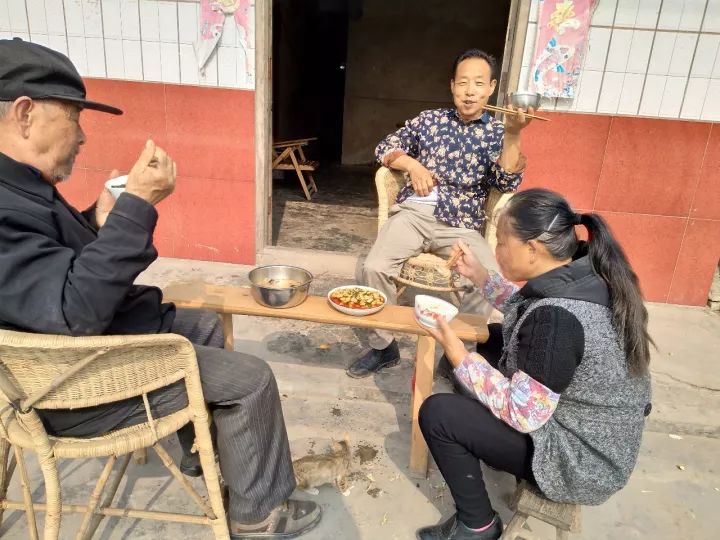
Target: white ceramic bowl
{"type": "Point", "coordinates": [428, 307]}
{"type": "Point", "coordinates": [357, 312]}
{"type": "Point", "coordinates": [116, 185]}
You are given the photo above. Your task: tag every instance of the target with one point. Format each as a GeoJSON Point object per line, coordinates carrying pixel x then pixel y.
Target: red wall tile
{"type": "Point", "coordinates": [566, 155]}
{"type": "Point", "coordinates": [706, 203]}
{"type": "Point", "coordinates": [210, 130]}
{"type": "Point", "coordinates": [699, 255]}
{"type": "Point", "coordinates": [651, 166]}
{"type": "Point", "coordinates": [652, 244]}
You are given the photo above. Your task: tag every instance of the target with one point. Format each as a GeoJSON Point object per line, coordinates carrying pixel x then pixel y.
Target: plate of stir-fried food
{"type": "Point", "coordinates": [357, 300]}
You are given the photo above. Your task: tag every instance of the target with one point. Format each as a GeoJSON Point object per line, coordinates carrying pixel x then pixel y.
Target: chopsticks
{"type": "Point", "coordinates": [452, 260]}
{"type": "Point", "coordinates": [510, 111]}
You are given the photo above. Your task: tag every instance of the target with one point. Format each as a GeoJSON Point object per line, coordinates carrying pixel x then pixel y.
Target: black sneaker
{"type": "Point", "coordinates": [454, 529]}
{"type": "Point", "coordinates": [289, 520]}
{"type": "Point", "coordinates": [374, 361]}
{"type": "Point", "coordinates": [190, 465]}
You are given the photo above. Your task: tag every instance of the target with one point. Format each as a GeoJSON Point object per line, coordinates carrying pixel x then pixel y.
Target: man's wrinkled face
{"type": "Point", "coordinates": [56, 136]}
{"type": "Point", "coordinates": [471, 87]}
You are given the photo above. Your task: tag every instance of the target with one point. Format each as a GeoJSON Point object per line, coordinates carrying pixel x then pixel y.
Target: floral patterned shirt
{"type": "Point", "coordinates": [463, 157]}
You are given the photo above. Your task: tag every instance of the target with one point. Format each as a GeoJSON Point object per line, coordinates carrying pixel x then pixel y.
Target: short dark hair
{"type": "Point", "coordinates": [475, 53]}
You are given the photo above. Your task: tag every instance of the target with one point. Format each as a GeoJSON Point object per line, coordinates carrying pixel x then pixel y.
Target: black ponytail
{"type": "Point", "coordinates": [545, 216]}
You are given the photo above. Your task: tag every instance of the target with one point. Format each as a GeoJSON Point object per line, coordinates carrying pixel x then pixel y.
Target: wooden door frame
{"type": "Point", "coordinates": [264, 251]}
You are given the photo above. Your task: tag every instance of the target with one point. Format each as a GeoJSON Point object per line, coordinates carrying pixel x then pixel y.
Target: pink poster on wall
{"type": "Point", "coordinates": [562, 34]}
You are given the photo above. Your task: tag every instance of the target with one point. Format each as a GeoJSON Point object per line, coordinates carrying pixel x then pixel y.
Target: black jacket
{"type": "Point", "coordinates": [60, 275]}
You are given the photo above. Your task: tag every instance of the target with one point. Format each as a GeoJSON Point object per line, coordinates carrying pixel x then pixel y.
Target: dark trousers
{"type": "Point", "coordinates": [252, 441]}
{"type": "Point", "coordinates": [460, 433]}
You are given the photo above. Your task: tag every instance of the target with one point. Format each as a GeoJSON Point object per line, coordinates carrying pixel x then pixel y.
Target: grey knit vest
{"type": "Point", "coordinates": [588, 448]}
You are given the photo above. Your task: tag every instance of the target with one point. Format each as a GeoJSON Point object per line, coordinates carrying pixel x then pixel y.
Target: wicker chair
{"type": "Point", "coordinates": [427, 271]}
{"type": "Point", "coordinates": [61, 372]}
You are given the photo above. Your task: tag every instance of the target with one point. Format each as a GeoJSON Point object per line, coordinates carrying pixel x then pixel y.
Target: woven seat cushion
{"type": "Point", "coordinates": [122, 441]}
{"type": "Point", "coordinates": [427, 269]}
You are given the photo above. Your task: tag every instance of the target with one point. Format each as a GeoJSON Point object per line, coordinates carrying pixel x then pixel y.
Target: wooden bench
{"type": "Point", "coordinates": [229, 300]}
{"type": "Point", "coordinates": [289, 156]}
{"type": "Point", "coordinates": [529, 502]}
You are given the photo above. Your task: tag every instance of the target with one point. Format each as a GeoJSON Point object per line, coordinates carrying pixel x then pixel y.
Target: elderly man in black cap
{"type": "Point", "coordinates": [69, 272]}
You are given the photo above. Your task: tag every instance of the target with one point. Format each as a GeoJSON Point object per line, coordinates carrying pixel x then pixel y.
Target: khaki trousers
{"type": "Point", "coordinates": [412, 229]}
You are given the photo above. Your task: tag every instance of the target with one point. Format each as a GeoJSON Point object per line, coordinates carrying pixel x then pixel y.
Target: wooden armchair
{"type": "Point", "coordinates": [427, 271]}
{"type": "Point", "coordinates": [61, 372]}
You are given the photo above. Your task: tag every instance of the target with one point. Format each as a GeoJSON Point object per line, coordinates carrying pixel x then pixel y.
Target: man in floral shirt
{"type": "Point", "coordinates": [453, 157]}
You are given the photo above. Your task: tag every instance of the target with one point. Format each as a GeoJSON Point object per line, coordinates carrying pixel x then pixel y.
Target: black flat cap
{"type": "Point", "coordinates": [29, 69]}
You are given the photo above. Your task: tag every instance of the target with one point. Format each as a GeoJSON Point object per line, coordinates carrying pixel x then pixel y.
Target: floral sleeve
{"type": "Point", "coordinates": [404, 141]}
{"type": "Point", "coordinates": [521, 402]}
{"type": "Point", "coordinates": [497, 289]}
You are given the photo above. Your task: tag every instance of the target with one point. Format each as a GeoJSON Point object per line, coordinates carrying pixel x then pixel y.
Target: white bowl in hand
{"type": "Point", "coordinates": [428, 309]}
{"type": "Point", "coordinates": [116, 185]}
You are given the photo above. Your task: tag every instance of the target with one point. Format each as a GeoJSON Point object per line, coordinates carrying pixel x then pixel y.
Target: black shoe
{"type": "Point", "coordinates": [454, 529]}
{"type": "Point", "coordinates": [374, 361]}
{"type": "Point", "coordinates": [190, 465]}
{"type": "Point", "coordinates": [289, 520]}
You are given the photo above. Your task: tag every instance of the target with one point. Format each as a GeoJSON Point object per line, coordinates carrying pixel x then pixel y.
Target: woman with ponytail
{"type": "Point", "coordinates": [559, 393]}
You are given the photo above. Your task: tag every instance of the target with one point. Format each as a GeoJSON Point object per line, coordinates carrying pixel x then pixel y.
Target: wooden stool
{"type": "Point", "coordinates": [529, 502]}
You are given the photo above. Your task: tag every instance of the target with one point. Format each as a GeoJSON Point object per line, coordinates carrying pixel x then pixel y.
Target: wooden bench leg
{"type": "Point", "coordinates": [515, 526]}
{"type": "Point", "coordinates": [424, 368]}
{"type": "Point", "coordinates": [227, 322]}
{"type": "Point", "coordinates": [295, 163]}
{"type": "Point", "coordinates": [313, 186]}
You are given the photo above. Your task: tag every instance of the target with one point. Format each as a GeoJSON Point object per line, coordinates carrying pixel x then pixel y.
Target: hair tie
{"type": "Point", "coordinates": [578, 219]}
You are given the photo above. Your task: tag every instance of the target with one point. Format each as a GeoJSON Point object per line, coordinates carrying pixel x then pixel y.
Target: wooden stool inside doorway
{"type": "Point", "coordinates": [289, 156]}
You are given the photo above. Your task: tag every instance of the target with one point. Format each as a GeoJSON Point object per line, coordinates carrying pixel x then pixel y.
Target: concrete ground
{"type": "Point", "coordinates": [673, 493]}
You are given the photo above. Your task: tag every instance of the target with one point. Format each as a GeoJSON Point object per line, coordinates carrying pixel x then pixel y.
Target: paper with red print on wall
{"type": "Point", "coordinates": [212, 21]}
{"type": "Point", "coordinates": [562, 35]}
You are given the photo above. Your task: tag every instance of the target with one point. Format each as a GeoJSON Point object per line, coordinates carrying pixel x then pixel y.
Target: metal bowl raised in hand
{"type": "Point", "coordinates": [525, 100]}
{"type": "Point", "coordinates": [279, 286]}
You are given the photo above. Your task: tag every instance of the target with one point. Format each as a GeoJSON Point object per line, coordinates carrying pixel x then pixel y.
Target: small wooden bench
{"type": "Point", "coordinates": [229, 300]}
{"type": "Point", "coordinates": [529, 502]}
{"type": "Point", "coordinates": [289, 156]}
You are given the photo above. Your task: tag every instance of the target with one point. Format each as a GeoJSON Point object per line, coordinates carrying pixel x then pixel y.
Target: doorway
{"type": "Point", "coordinates": [349, 72]}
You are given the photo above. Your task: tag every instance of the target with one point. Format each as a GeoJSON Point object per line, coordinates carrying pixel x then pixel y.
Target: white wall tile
{"type": "Point", "coordinates": [712, 17]}
{"type": "Point", "coordinates": [5, 18]}
{"type": "Point", "coordinates": [670, 15]}
{"type": "Point", "coordinates": [18, 16]}
{"type": "Point", "coordinates": [610, 94]}
{"type": "Point", "coordinates": [188, 64]}
{"type": "Point", "coordinates": [112, 20]}
{"type": "Point", "coordinates": [36, 16]}
{"type": "Point", "coordinates": [626, 13]}
{"type": "Point", "coordinates": [130, 19]}
{"type": "Point", "coordinates": [604, 13]}
{"type": "Point", "coordinates": [562, 104]}
{"type": "Point", "coordinates": [692, 15]}
{"type": "Point", "coordinates": [5, 34]}
{"type": "Point", "coordinates": [529, 44]}
{"type": "Point", "coordinates": [229, 36]}
{"type": "Point", "coordinates": [598, 43]}
{"type": "Point", "coordinates": [58, 43]}
{"type": "Point", "coordinates": [662, 53]}
{"type": "Point", "coordinates": [74, 20]}
{"type": "Point", "coordinates": [640, 51]}
{"type": "Point", "coordinates": [682, 56]}
{"type": "Point", "coordinates": [589, 89]}
{"type": "Point", "coordinates": [209, 75]}
{"type": "Point", "coordinates": [92, 16]}
{"type": "Point", "coordinates": [149, 21]}
{"type": "Point", "coordinates": [652, 95]}
{"type": "Point", "coordinates": [673, 97]}
{"type": "Point", "coordinates": [694, 97]}
{"type": "Point", "coordinates": [78, 53]}
{"type": "Point", "coordinates": [40, 39]}
{"type": "Point", "coordinates": [95, 57]}
{"type": "Point", "coordinates": [188, 22]}
{"type": "Point", "coordinates": [705, 55]}
{"type": "Point", "coordinates": [711, 108]}
{"type": "Point", "coordinates": [55, 16]}
{"type": "Point", "coordinates": [250, 85]}
{"type": "Point", "coordinates": [534, 9]}
{"type": "Point", "coordinates": [648, 13]}
{"type": "Point", "coordinates": [169, 62]}
{"type": "Point", "coordinates": [716, 69]}
{"type": "Point", "coordinates": [167, 14]}
{"type": "Point", "coordinates": [114, 59]}
{"type": "Point", "coordinates": [152, 70]}
{"type": "Point", "coordinates": [22, 35]}
{"type": "Point", "coordinates": [132, 59]}
{"type": "Point", "coordinates": [619, 50]}
{"type": "Point", "coordinates": [227, 67]}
